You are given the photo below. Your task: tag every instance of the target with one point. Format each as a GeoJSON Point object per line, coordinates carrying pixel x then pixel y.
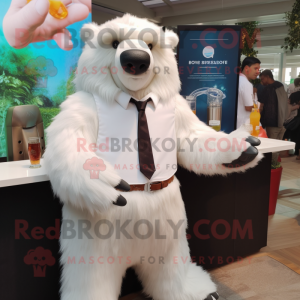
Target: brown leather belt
{"type": "Point", "coordinates": [150, 187]}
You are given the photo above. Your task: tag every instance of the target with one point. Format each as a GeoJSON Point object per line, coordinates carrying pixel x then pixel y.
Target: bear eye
{"type": "Point", "coordinates": [115, 44]}
{"type": "Point", "coordinates": [150, 46]}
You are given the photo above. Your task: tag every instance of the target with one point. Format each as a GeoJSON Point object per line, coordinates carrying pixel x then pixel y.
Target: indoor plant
{"type": "Point", "coordinates": [292, 19]}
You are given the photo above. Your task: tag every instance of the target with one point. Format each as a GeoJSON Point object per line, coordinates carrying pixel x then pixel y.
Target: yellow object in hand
{"type": "Point", "coordinates": [57, 9]}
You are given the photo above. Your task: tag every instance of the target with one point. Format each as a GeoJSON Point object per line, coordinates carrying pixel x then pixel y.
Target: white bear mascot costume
{"type": "Point", "coordinates": [120, 212]}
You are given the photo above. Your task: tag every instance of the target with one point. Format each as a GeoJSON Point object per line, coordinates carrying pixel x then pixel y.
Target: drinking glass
{"type": "Point", "coordinates": [34, 152]}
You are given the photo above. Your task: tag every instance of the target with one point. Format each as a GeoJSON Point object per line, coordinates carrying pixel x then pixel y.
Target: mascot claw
{"type": "Point", "coordinates": [123, 186]}
{"type": "Point", "coordinates": [121, 201]}
{"type": "Point", "coordinates": [253, 141]}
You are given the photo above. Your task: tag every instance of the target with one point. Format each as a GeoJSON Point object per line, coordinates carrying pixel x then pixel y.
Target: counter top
{"type": "Point", "coordinates": [271, 145]}
{"type": "Point", "coordinates": [18, 172]}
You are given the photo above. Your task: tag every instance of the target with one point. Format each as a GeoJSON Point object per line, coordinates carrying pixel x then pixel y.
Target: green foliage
{"type": "Point", "coordinates": [255, 81]}
{"type": "Point", "coordinates": [13, 61]}
{"type": "Point", "coordinates": [44, 101]}
{"type": "Point", "coordinates": [48, 113]}
{"type": "Point", "coordinates": [64, 90]}
{"type": "Point", "coordinates": [275, 164]}
{"type": "Point", "coordinates": [4, 105]}
{"type": "Point", "coordinates": [250, 27]}
{"type": "Point", "coordinates": [70, 85]}
{"type": "Point", "coordinates": [61, 93]}
{"type": "Point", "coordinates": [17, 88]}
{"type": "Point", "coordinates": [14, 90]}
{"type": "Point", "coordinates": [292, 19]}
{"type": "Point", "coordinates": [246, 51]}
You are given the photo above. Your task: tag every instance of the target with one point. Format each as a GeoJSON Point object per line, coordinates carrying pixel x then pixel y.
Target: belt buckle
{"type": "Point", "coordinates": [147, 187]}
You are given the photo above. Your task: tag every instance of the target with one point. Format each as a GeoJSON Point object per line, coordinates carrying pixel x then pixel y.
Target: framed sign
{"type": "Point", "coordinates": [208, 61]}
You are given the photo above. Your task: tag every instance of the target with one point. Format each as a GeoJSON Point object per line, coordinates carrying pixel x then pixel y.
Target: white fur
{"type": "Point", "coordinates": [91, 200]}
{"type": "Point", "coordinates": [181, 281]}
{"type": "Point", "coordinates": [77, 119]}
{"type": "Point", "coordinates": [165, 85]}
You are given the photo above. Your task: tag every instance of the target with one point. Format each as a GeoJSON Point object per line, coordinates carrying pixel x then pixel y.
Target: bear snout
{"type": "Point", "coordinates": [135, 62]}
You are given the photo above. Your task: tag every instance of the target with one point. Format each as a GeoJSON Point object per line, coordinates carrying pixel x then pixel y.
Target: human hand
{"type": "Point", "coordinates": [29, 23]}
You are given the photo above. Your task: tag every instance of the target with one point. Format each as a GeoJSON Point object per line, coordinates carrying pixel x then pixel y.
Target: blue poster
{"type": "Point", "coordinates": [208, 59]}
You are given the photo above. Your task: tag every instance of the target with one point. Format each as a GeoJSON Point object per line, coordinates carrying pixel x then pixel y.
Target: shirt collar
{"type": "Point", "coordinates": [124, 98]}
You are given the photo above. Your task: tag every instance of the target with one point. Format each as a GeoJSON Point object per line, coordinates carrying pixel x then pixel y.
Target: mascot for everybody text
{"type": "Point", "coordinates": [111, 157]}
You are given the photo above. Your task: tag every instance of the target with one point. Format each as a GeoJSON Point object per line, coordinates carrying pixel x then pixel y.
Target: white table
{"type": "Point", "coordinates": [271, 145]}
{"type": "Point", "coordinates": [18, 172]}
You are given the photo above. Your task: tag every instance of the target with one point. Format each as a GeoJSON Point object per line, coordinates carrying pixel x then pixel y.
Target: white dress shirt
{"type": "Point", "coordinates": [118, 128]}
{"type": "Point", "coordinates": [245, 98]}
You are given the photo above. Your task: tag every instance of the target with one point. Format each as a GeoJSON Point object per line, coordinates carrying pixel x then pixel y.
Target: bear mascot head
{"type": "Point", "coordinates": [111, 156]}
{"type": "Point", "coordinates": [131, 55]}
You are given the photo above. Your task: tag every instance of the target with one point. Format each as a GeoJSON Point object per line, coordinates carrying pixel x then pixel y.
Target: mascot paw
{"type": "Point", "coordinates": [245, 158]}
{"type": "Point", "coordinates": [213, 296]}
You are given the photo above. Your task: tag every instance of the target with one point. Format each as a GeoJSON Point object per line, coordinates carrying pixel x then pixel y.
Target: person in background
{"type": "Point", "coordinates": [250, 71]}
{"type": "Point", "coordinates": [294, 87]}
{"type": "Point", "coordinates": [273, 101]}
{"type": "Point", "coordinates": [293, 122]}
{"type": "Point", "coordinates": [285, 86]}
{"type": "Point", "coordinates": [296, 133]}
{"type": "Point", "coordinates": [259, 87]}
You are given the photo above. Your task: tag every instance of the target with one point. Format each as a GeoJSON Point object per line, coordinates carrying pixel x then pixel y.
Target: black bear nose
{"type": "Point", "coordinates": [135, 61]}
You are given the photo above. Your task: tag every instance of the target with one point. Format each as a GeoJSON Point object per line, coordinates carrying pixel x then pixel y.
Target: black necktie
{"type": "Point", "coordinates": [144, 143]}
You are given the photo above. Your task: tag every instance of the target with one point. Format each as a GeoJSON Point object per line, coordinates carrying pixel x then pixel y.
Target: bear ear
{"type": "Point", "coordinates": [172, 38]}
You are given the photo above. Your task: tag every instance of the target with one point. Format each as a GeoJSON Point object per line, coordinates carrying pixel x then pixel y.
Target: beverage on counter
{"type": "Point", "coordinates": [254, 121]}
{"type": "Point", "coordinates": [34, 152]}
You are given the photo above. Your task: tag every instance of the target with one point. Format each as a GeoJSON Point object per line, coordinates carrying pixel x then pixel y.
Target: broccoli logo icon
{"type": "Point", "coordinates": [40, 258]}
{"type": "Point", "coordinates": [41, 68]}
{"type": "Point", "coordinates": [94, 165]}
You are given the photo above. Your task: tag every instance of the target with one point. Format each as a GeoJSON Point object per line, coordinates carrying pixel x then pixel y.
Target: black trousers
{"type": "Point", "coordinates": [294, 136]}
